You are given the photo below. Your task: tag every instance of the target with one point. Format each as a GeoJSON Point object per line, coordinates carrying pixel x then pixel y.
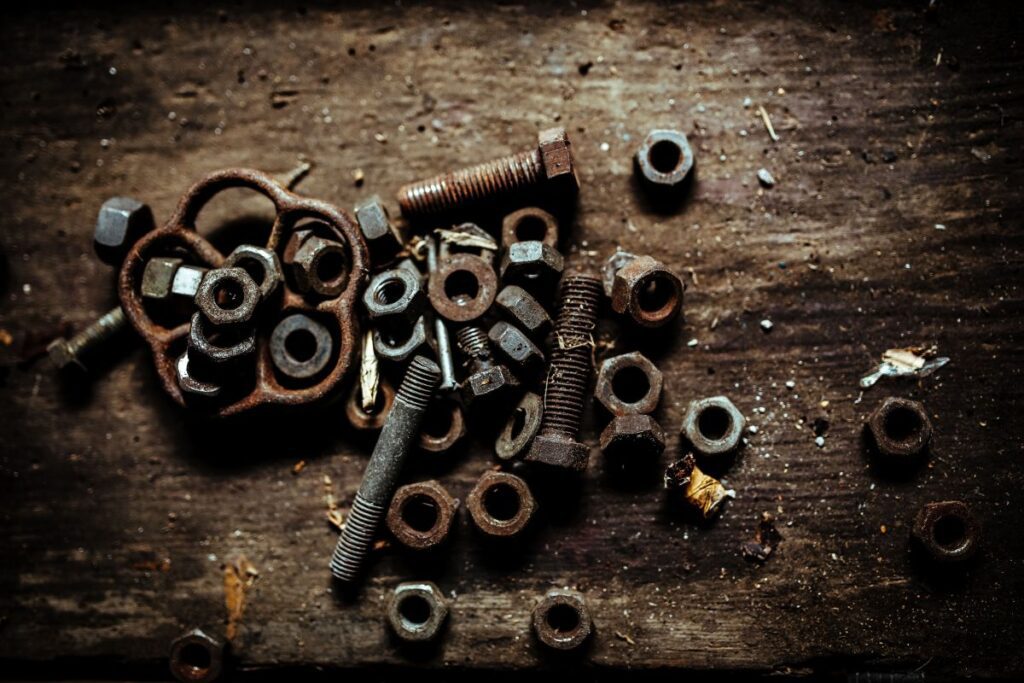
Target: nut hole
{"type": "Point", "coordinates": [300, 345]}
{"type": "Point", "coordinates": [420, 513]}
{"type": "Point", "coordinates": [950, 531]}
{"type": "Point", "coordinates": [531, 228]}
{"type": "Point", "coordinates": [714, 423]}
{"type": "Point", "coordinates": [501, 502]}
{"type": "Point", "coordinates": [196, 657]}
{"type": "Point", "coordinates": [563, 618]}
{"type": "Point", "coordinates": [461, 286]}
{"type": "Point", "coordinates": [414, 610]}
{"type": "Point", "coordinates": [389, 292]}
{"type": "Point", "coordinates": [438, 420]}
{"type": "Point", "coordinates": [330, 266]}
{"type": "Point", "coordinates": [665, 156]}
{"type": "Point", "coordinates": [902, 424]}
{"type": "Point", "coordinates": [229, 295]}
{"type": "Point", "coordinates": [656, 294]}
{"type": "Point", "coordinates": [630, 384]}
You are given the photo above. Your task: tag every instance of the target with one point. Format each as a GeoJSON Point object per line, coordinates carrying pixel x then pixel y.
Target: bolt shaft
{"type": "Point", "coordinates": [476, 346]}
{"type": "Point", "coordinates": [444, 343]}
{"type": "Point", "coordinates": [67, 351]}
{"type": "Point", "coordinates": [399, 433]}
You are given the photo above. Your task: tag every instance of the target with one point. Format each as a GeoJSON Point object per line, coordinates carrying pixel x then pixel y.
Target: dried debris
{"type": "Point", "coordinates": [767, 123]}
{"type": "Point", "coordinates": [765, 177]}
{"type": "Point", "coordinates": [239, 577]}
{"type": "Point", "coordinates": [702, 491]}
{"type": "Point", "coordinates": [334, 516]}
{"type": "Point", "coordinates": [369, 374]}
{"type": "Point", "coordinates": [468, 236]}
{"type": "Point", "coordinates": [918, 361]}
{"type": "Point", "coordinates": [625, 637]}
{"type": "Point", "coordinates": [765, 541]}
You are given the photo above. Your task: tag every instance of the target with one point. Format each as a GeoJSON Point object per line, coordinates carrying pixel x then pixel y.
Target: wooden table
{"type": "Point", "coordinates": [895, 221]}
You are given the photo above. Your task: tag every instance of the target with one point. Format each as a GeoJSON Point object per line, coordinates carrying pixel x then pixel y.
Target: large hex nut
{"type": "Point", "coordinates": [631, 436]}
{"type": "Point", "coordinates": [197, 656]}
{"type": "Point", "coordinates": [227, 297]}
{"type": "Point", "coordinates": [516, 347]}
{"type": "Point", "coordinates": [262, 265]}
{"type": "Point", "coordinates": [557, 158]}
{"type": "Point", "coordinates": [300, 347]}
{"type": "Point", "coordinates": [370, 420]}
{"type": "Point", "coordinates": [417, 611]}
{"type": "Point", "coordinates": [463, 287]}
{"type": "Point", "coordinates": [399, 344]}
{"type": "Point", "coordinates": [443, 426]}
{"type": "Point", "coordinates": [316, 264]}
{"type": "Point", "coordinates": [947, 530]}
{"type": "Point", "coordinates": [523, 311]}
{"type": "Point", "coordinates": [227, 349]}
{"type": "Point", "coordinates": [647, 291]}
{"type": "Point", "coordinates": [713, 426]}
{"type": "Point", "coordinates": [501, 504]}
{"type": "Point", "coordinates": [629, 384]}
{"type": "Point", "coordinates": [561, 620]}
{"type": "Point", "coordinates": [120, 223]}
{"type": "Point", "coordinates": [900, 428]}
{"type": "Point", "coordinates": [665, 159]}
{"type": "Point", "coordinates": [421, 514]}
{"type": "Point", "coordinates": [520, 428]}
{"type": "Point", "coordinates": [381, 236]}
{"type": "Point", "coordinates": [487, 384]}
{"type": "Point", "coordinates": [191, 385]}
{"type": "Point", "coordinates": [395, 294]}
{"type": "Point", "coordinates": [532, 264]}
{"type": "Point", "coordinates": [529, 224]}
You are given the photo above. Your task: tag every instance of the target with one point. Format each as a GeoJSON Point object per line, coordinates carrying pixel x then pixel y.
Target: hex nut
{"type": "Point", "coordinates": [316, 264]}
{"type": "Point", "coordinates": [417, 611]}
{"type": "Point", "coordinates": [664, 159]}
{"type": "Point", "coordinates": [947, 530]}
{"type": "Point", "coordinates": [197, 656]}
{"type": "Point", "coordinates": [421, 514]}
{"type": "Point", "coordinates": [524, 311]}
{"type": "Point", "coordinates": [445, 413]}
{"type": "Point", "coordinates": [400, 344]}
{"type": "Point", "coordinates": [163, 277]}
{"type": "Point", "coordinates": [647, 291]}
{"type": "Point", "coordinates": [381, 236]}
{"type": "Point", "coordinates": [561, 620]}
{"type": "Point", "coordinates": [501, 504]}
{"type": "Point", "coordinates": [120, 223]}
{"type": "Point", "coordinates": [531, 263]}
{"type": "Point", "coordinates": [557, 158]}
{"type": "Point", "coordinates": [520, 428]}
{"type": "Point", "coordinates": [713, 426]}
{"type": "Point", "coordinates": [487, 384]}
{"type": "Point", "coordinates": [227, 297]}
{"type": "Point", "coordinates": [462, 287]}
{"type": "Point", "coordinates": [900, 428]}
{"type": "Point", "coordinates": [395, 294]}
{"type": "Point", "coordinates": [228, 348]}
{"type": "Point", "coordinates": [300, 347]}
{"type": "Point", "coordinates": [515, 347]}
{"type": "Point", "coordinates": [529, 224]}
{"type": "Point", "coordinates": [629, 384]}
{"type": "Point", "coordinates": [262, 265]}
{"type": "Point", "coordinates": [191, 385]}
{"type": "Point", "coordinates": [631, 436]}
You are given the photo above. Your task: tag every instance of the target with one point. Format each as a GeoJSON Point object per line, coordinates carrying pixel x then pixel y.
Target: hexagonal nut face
{"type": "Point", "coordinates": [316, 264]}
{"type": "Point", "coordinates": [443, 426]}
{"type": "Point", "coordinates": [417, 611]}
{"type": "Point", "coordinates": [487, 385]}
{"type": "Point", "coordinates": [900, 428]}
{"type": "Point", "coordinates": [665, 159]}
{"type": "Point", "coordinates": [947, 530]}
{"type": "Point", "coordinates": [232, 347]}
{"type": "Point", "coordinates": [531, 262]}
{"type": "Point", "coordinates": [713, 426]}
{"type": "Point", "coordinates": [520, 428]}
{"type": "Point", "coordinates": [632, 436]}
{"type": "Point", "coordinates": [381, 236]}
{"type": "Point", "coordinates": [501, 504]}
{"type": "Point", "coordinates": [261, 264]}
{"type": "Point", "coordinates": [227, 297]}
{"type": "Point", "coordinates": [158, 277]}
{"type": "Point", "coordinates": [556, 157]}
{"type": "Point", "coordinates": [515, 347]}
{"type": "Point", "coordinates": [398, 345]}
{"type": "Point", "coordinates": [421, 514]}
{"type": "Point", "coordinates": [191, 385]}
{"type": "Point", "coordinates": [647, 291]}
{"type": "Point", "coordinates": [556, 451]}
{"type": "Point", "coordinates": [395, 294]}
{"type": "Point", "coordinates": [197, 657]}
{"type": "Point", "coordinates": [629, 384]}
{"type": "Point", "coordinates": [119, 224]}
{"type": "Point", "coordinates": [561, 620]}
{"type": "Point", "coordinates": [523, 311]}
{"type": "Point", "coordinates": [529, 224]}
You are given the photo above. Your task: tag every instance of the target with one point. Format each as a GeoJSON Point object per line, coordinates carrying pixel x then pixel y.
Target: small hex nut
{"type": "Point", "coordinates": [629, 436]}
{"type": "Point", "coordinates": [556, 157]}
{"type": "Point", "coordinates": [417, 611]}
{"type": "Point", "coordinates": [531, 262]}
{"type": "Point", "coordinates": [501, 504]}
{"type": "Point", "coordinates": [399, 344]}
{"type": "Point", "coordinates": [421, 514]}
{"type": "Point", "coordinates": [516, 347]}
{"type": "Point", "coordinates": [158, 277]}
{"type": "Point", "coordinates": [262, 265]}
{"type": "Point", "coordinates": [446, 414]}
{"type": "Point", "coordinates": [665, 159]}
{"type": "Point", "coordinates": [197, 656]}
{"type": "Point", "coordinates": [524, 311]}
{"type": "Point", "coordinates": [487, 384]}
{"type": "Point", "coordinates": [381, 236]}
{"type": "Point", "coordinates": [221, 352]}
{"type": "Point", "coordinates": [191, 385]}
{"type": "Point", "coordinates": [561, 620]}
{"type": "Point", "coordinates": [647, 291]}
{"type": "Point", "coordinates": [900, 428]}
{"type": "Point", "coordinates": [713, 426]}
{"type": "Point", "coordinates": [629, 384]}
{"type": "Point", "coordinates": [316, 264]}
{"type": "Point", "coordinates": [119, 224]}
{"type": "Point", "coordinates": [520, 428]}
{"type": "Point", "coordinates": [227, 297]}
{"type": "Point", "coordinates": [395, 294]}
{"type": "Point", "coordinates": [947, 530]}
{"type": "Point", "coordinates": [529, 224]}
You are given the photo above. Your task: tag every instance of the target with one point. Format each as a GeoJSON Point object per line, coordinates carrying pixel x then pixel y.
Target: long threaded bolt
{"type": "Point", "coordinates": [401, 430]}
{"type": "Point", "coordinates": [526, 171]}
{"type": "Point", "coordinates": [64, 352]}
{"type": "Point", "coordinates": [569, 375]}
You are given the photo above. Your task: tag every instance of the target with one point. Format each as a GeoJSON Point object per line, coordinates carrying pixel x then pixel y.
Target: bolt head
{"type": "Point", "coordinates": [556, 156]}
{"type": "Point", "coordinates": [158, 277]}
{"type": "Point", "coordinates": [558, 451]}
{"type": "Point", "coordinates": [629, 436]}
{"type": "Point", "coordinates": [515, 346]}
{"type": "Point", "coordinates": [120, 222]}
{"type": "Point", "coordinates": [487, 385]}
{"type": "Point", "coordinates": [532, 262]}
{"type": "Point", "coordinates": [61, 354]}
{"type": "Point", "coordinates": [381, 236]}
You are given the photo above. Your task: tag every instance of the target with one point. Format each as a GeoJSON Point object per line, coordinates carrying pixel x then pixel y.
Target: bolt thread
{"type": "Point", "coordinates": [420, 382]}
{"type": "Point", "coordinates": [571, 356]}
{"type": "Point", "coordinates": [456, 189]}
{"type": "Point", "coordinates": [356, 538]}
{"type": "Point", "coordinates": [474, 343]}
{"type": "Point", "coordinates": [100, 331]}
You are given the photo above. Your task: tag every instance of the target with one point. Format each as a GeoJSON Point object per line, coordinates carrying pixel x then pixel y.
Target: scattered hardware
{"type": "Point", "coordinates": [421, 514]}
{"type": "Point", "coordinates": [501, 504]}
{"type": "Point", "coordinates": [713, 426]}
{"type": "Point", "coordinates": [947, 530]}
{"type": "Point", "coordinates": [561, 620]}
{"type": "Point", "coordinates": [197, 657]}
{"type": "Point", "coordinates": [417, 611]}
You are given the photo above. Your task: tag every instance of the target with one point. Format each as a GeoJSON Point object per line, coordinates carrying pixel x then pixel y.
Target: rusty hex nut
{"type": "Point", "coordinates": [524, 311]}
{"type": "Point", "coordinates": [516, 347]}
{"type": "Point", "coordinates": [713, 426]}
{"type": "Point", "coordinates": [369, 420]}
{"type": "Point", "coordinates": [120, 223]}
{"type": "Point", "coordinates": [628, 384]}
{"type": "Point", "coordinates": [421, 514]}
{"type": "Point", "coordinates": [417, 611]}
{"type": "Point", "coordinates": [395, 294]}
{"type": "Point", "coordinates": [381, 236]}
{"type": "Point", "coordinates": [947, 530]}
{"type": "Point", "coordinates": [487, 384]}
{"type": "Point", "coordinates": [443, 426]}
{"type": "Point", "coordinates": [520, 428]}
{"type": "Point", "coordinates": [316, 264]}
{"type": "Point", "coordinates": [647, 291]}
{"type": "Point", "coordinates": [400, 343]}
{"type": "Point", "coordinates": [529, 224]}
{"type": "Point", "coordinates": [300, 347]}
{"type": "Point", "coordinates": [557, 158]}
{"type": "Point", "coordinates": [191, 385]}
{"type": "Point", "coordinates": [561, 620]}
{"type": "Point", "coordinates": [222, 350]}
{"type": "Point", "coordinates": [262, 265]}
{"type": "Point", "coordinates": [900, 428]}
{"type": "Point", "coordinates": [462, 288]}
{"type": "Point", "coordinates": [227, 297]}
{"type": "Point", "coordinates": [531, 263]}
{"type": "Point", "coordinates": [664, 159]}
{"type": "Point", "coordinates": [629, 436]}
{"type": "Point", "coordinates": [500, 504]}
{"type": "Point", "coordinates": [197, 657]}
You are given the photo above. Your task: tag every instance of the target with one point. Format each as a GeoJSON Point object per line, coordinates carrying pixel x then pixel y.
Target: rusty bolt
{"type": "Point", "coordinates": [373, 419]}
{"type": "Point", "coordinates": [197, 657]}
{"type": "Point", "coordinates": [633, 436]}
{"type": "Point", "coordinates": [947, 530]}
{"type": "Point", "coordinates": [120, 223]}
{"type": "Point", "coordinates": [487, 379]}
{"type": "Point", "coordinates": [462, 287]}
{"type": "Point", "coordinates": [381, 236]}
{"type": "Point", "coordinates": [164, 277]}
{"type": "Point", "coordinates": [561, 620]}
{"type": "Point", "coordinates": [628, 384]}
{"type": "Point", "coordinates": [443, 426]}
{"type": "Point", "coordinates": [529, 224]}
{"type": "Point", "coordinates": [316, 264]}
{"type": "Point", "coordinates": [227, 297]}
{"type": "Point", "coordinates": [523, 311]}
{"type": "Point", "coordinates": [645, 290]}
{"type": "Point", "coordinates": [520, 428]}
{"type": "Point", "coordinates": [395, 295]}
{"type": "Point", "coordinates": [421, 514]}
{"type": "Point", "coordinates": [900, 428]}
{"type": "Point", "coordinates": [262, 265]}
{"type": "Point", "coordinates": [417, 611]}
{"type": "Point", "coordinates": [501, 504]}
{"type": "Point", "coordinates": [664, 159]}
{"type": "Point", "coordinates": [66, 353]}
{"type": "Point", "coordinates": [513, 345]}
{"type": "Point", "coordinates": [551, 163]}
{"type": "Point", "coordinates": [713, 426]}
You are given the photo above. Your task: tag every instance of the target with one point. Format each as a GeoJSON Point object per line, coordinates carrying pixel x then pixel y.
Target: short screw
{"type": "Point", "coordinates": [398, 436]}
{"type": "Point", "coordinates": [64, 352]}
{"type": "Point", "coordinates": [476, 346]}
{"type": "Point", "coordinates": [444, 342]}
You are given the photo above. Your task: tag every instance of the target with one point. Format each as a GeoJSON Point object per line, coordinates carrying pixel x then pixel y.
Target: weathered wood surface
{"type": "Point", "coordinates": [880, 140]}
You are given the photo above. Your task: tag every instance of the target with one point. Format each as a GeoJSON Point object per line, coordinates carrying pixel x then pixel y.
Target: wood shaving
{"type": "Point", "coordinates": [369, 374]}
{"type": "Point", "coordinates": [919, 361]}
{"type": "Point", "coordinates": [298, 467]}
{"type": "Point", "coordinates": [767, 123]}
{"type": "Point", "coordinates": [239, 577]}
{"type": "Point", "coordinates": [466, 239]}
{"type": "Point", "coordinates": [334, 516]}
{"type": "Point", "coordinates": [625, 636]}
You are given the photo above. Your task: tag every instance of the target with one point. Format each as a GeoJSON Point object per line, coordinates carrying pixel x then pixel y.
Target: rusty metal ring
{"type": "Point", "coordinates": [529, 223]}
{"type": "Point", "coordinates": [462, 288]}
{"type": "Point", "coordinates": [629, 384]}
{"type": "Point", "coordinates": [452, 420]}
{"type": "Point", "coordinates": [501, 504]}
{"type": "Point", "coordinates": [900, 428]}
{"type": "Point", "coordinates": [421, 514]}
{"type": "Point", "coordinates": [522, 425]}
{"type": "Point", "coordinates": [561, 620]}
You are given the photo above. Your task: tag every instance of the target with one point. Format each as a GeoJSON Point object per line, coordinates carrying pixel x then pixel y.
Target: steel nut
{"type": "Point", "coordinates": [373, 419]}
{"type": "Point", "coordinates": [713, 426]}
{"type": "Point", "coordinates": [501, 504]}
{"type": "Point", "coordinates": [947, 530]}
{"type": "Point", "coordinates": [399, 344]}
{"type": "Point", "coordinates": [421, 514]}
{"type": "Point", "coordinates": [665, 159]}
{"type": "Point", "coordinates": [262, 265]}
{"type": "Point", "coordinates": [900, 428]}
{"type": "Point", "coordinates": [191, 385]}
{"type": "Point", "coordinates": [395, 294]}
{"type": "Point", "coordinates": [515, 347]}
{"type": "Point", "coordinates": [520, 428]}
{"type": "Point", "coordinates": [197, 657]}
{"type": "Point", "coordinates": [523, 311]}
{"type": "Point", "coordinates": [629, 384]}
{"type": "Point", "coordinates": [417, 611]}
{"type": "Point", "coordinates": [462, 288]}
{"type": "Point", "coordinates": [443, 426]}
{"type": "Point", "coordinates": [561, 620]}
{"type": "Point", "coordinates": [381, 236]}
{"type": "Point", "coordinates": [227, 297]}
{"type": "Point", "coordinates": [316, 264]}
{"type": "Point", "coordinates": [647, 291]}
{"type": "Point", "coordinates": [158, 277]}
{"type": "Point", "coordinates": [300, 347]}
{"type": "Point", "coordinates": [630, 436]}
{"type": "Point", "coordinates": [220, 350]}
{"type": "Point", "coordinates": [531, 263]}
{"type": "Point", "coordinates": [121, 221]}
{"type": "Point", "coordinates": [557, 158]}
{"type": "Point", "coordinates": [487, 384]}
{"type": "Point", "coordinates": [529, 224]}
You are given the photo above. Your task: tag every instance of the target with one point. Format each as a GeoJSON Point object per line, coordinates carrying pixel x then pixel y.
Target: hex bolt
{"type": "Point", "coordinates": [397, 439]}
{"type": "Point", "coordinates": [518, 173]}
{"type": "Point", "coordinates": [444, 343]}
{"type": "Point", "coordinates": [568, 376]}
{"type": "Point", "coordinates": [486, 378]}
{"type": "Point", "coordinates": [64, 352]}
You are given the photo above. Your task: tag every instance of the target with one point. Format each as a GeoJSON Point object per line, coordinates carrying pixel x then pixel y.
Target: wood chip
{"type": "Point", "coordinates": [625, 636]}
{"type": "Point", "coordinates": [239, 577]}
{"type": "Point", "coordinates": [767, 123]}
{"type": "Point", "coordinates": [369, 374]}
{"type": "Point", "coordinates": [298, 467]}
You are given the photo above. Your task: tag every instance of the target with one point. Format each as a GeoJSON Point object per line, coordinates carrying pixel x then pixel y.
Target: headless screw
{"type": "Point", "coordinates": [400, 432]}
{"type": "Point", "coordinates": [444, 342]}
{"type": "Point", "coordinates": [65, 352]}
